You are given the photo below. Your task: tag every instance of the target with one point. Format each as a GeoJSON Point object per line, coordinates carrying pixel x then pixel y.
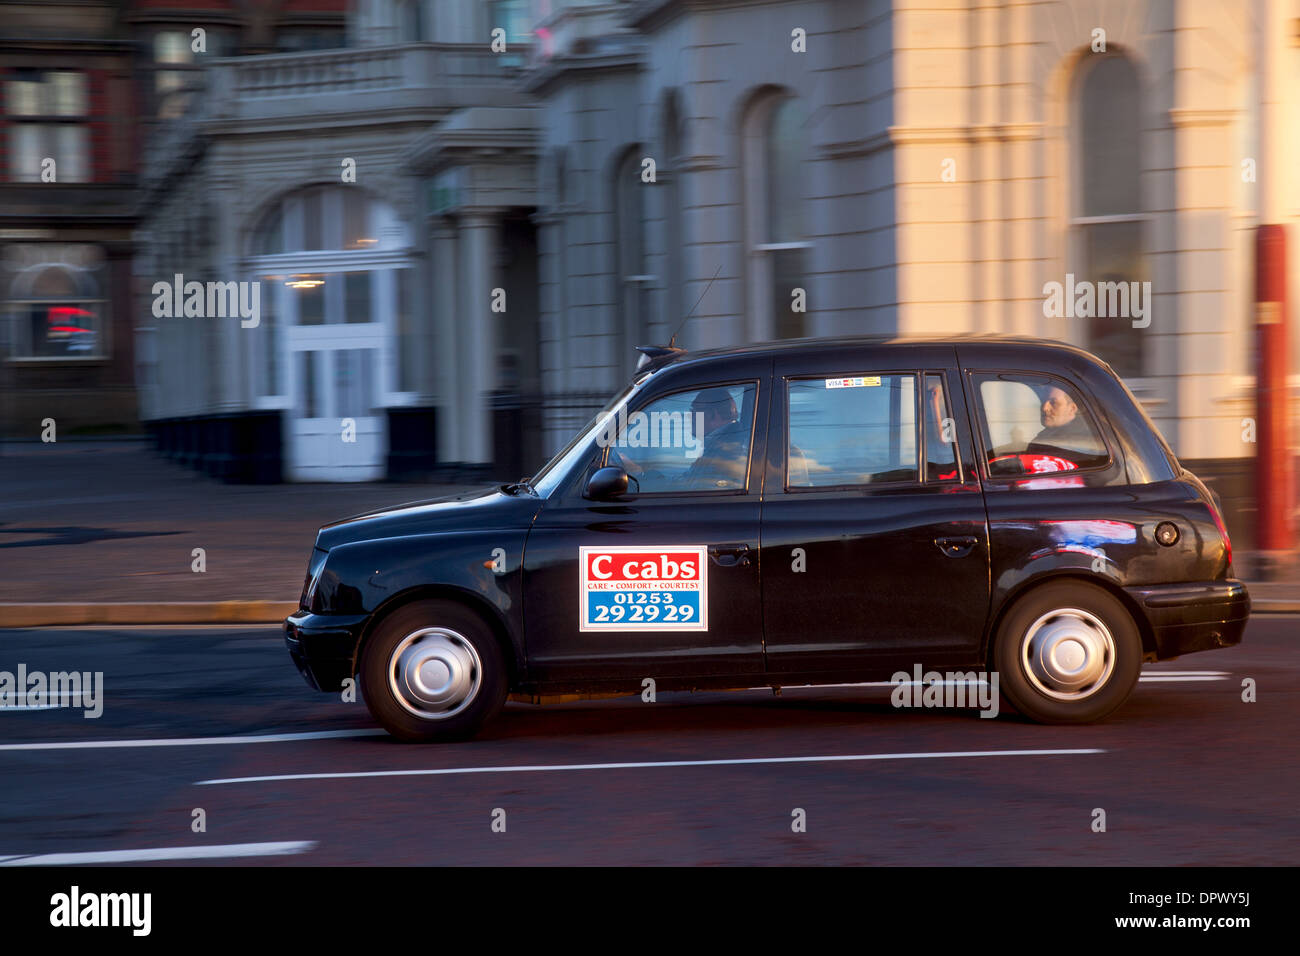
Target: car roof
{"type": "Point", "coordinates": [973, 344]}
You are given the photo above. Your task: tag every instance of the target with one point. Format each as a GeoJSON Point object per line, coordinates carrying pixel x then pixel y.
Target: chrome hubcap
{"type": "Point", "coordinates": [1068, 654]}
{"type": "Point", "coordinates": [434, 672]}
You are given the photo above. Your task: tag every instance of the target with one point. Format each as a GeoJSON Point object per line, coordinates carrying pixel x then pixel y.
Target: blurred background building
{"type": "Point", "coordinates": [83, 86]}
{"type": "Point", "coordinates": [464, 215]}
{"type": "Point", "coordinates": [69, 145]}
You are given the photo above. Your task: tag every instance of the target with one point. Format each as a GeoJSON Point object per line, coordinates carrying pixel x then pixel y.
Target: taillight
{"type": "Point", "coordinates": [1223, 531]}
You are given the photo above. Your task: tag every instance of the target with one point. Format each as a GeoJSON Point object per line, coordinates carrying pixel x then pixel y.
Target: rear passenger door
{"type": "Point", "coordinates": [1055, 483]}
{"type": "Point", "coordinates": [874, 540]}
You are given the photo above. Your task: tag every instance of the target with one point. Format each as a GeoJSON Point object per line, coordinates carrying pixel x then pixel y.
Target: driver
{"type": "Point", "coordinates": [724, 455]}
{"type": "Point", "coordinates": [723, 459]}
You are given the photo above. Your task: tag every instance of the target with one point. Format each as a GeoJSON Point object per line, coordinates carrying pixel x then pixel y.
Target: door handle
{"type": "Point", "coordinates": [957, 547]}
{"type": "Point", "coordinates": [729, 555]}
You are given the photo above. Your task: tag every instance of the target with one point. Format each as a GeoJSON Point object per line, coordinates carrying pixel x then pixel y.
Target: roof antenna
{"type": "Point", "coordinates": [672, 342]}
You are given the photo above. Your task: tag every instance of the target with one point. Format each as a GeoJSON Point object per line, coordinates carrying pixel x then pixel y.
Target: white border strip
{"type": "Point", "coordinates": [287, 848]}
{"type": "Point", "coordinates": [640, 765]}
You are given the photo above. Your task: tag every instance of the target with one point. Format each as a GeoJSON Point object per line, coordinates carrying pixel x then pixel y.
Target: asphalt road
{"type": "Point", "coordinates": [1187, 773]}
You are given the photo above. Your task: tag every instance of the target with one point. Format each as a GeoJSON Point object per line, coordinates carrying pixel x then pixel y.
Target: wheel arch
{"type": "Point", "coordinates": [1063, 576]}
{"type": "Point", "coordinates": [490, 615]}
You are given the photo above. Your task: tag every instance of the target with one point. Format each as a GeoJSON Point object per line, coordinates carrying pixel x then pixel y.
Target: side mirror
{"type": "Point", "coordinates": [607, 484]}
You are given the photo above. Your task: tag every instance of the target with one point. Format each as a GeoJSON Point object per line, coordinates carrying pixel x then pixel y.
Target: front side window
{"type": "Point", "coordinates": [694, 440]}
{"type": "Point", "coordinates": [853, 430]}
{"type": "Point", "coordinates": [1036, 424]}
{"type": "Point", "coordinates": [578, 447]}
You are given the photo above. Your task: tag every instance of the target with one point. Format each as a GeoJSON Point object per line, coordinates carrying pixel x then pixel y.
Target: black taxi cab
{"type": "Point", "coordinates": [795, 513]}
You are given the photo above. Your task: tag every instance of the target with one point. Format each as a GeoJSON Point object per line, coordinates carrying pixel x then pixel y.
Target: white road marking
{"type": "Point", "coordinates": [94, 857]}
{"type": "Point", "coordinates": [1173, 680]}
{"type": "Point", "coordinates": [638, 765]}
{"type": "Point", "coordinates": [65, 697]}
{"type": "Point", "coordinates": [193, 741]}
{"type": "Point", "coordinates": [1176, 676]}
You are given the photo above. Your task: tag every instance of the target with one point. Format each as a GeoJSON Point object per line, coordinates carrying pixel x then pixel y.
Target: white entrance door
{"type": "Point", "coordinates": [336, 430]}
{"type": "Point", "coordinates": [337, 427]}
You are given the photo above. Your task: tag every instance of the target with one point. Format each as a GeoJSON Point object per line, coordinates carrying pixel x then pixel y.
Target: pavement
{"type": "Point", "coordinates": [106, 532]}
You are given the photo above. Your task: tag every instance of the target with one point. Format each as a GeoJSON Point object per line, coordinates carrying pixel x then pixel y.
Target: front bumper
{"type": "Point", "coordinates": [1199, 616]}
{"type": "Point", "coordinates": [323, 647]}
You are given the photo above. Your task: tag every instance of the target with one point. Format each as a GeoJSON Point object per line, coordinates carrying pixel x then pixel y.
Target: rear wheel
{"type": "Point", "coordinates": [1068, 653]}
{"type": "Point", "coordinates": [433, 671]}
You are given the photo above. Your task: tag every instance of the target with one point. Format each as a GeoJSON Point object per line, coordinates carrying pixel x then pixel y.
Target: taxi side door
{"type": "Point", "coordinates": [875, 545]}
{"type": "Point", "coordinates": [586, 561]}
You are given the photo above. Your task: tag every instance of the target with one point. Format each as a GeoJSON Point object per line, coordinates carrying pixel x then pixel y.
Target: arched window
{"type": "Point", "coordinates": [55, 305]}
{"type": "Point", "coordinates": [330, 256]}
{"type": "Point", "coordinates": [321, 218]}
{"type": "Point", "coordinates": [1108, 222]}
{"type": "Point", "coordinates": [773, 145]}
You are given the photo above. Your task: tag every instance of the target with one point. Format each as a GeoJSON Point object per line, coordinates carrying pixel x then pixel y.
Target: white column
{"type": "Point", "coordinates": [478, 233]}
{"type": "Point", "coordinates": [231, 358]}
{"type": "Point", "coordinates": [449, 390]}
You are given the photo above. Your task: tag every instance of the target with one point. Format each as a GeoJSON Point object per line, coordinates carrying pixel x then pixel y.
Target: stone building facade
{"type": "Point", "coordinates": [775, 168]}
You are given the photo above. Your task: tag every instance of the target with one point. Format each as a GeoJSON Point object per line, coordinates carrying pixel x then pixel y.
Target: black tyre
{"type": "Point", "coordinates": [433, 671]}
{"type": "Point", "coordinates": [1067, 653]}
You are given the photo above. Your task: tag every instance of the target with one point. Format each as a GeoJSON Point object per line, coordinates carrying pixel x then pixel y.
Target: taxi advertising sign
{"type": "Point", "coordinates": [643, 589]}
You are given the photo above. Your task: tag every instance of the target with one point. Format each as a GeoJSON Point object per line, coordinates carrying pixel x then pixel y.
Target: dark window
{"type": "Point", "coordinates": [858, 429]}
{"type": "Point", "coordinates": [356, 297]}
{"type": "Point", "coordinates": [1035, 424]}
{"type": "Point", "coordinates": [1110, 220]}
{"type": "Point", "coordinates": [786, 244]}
{"type": "Point", "coordinates": [47, 112]}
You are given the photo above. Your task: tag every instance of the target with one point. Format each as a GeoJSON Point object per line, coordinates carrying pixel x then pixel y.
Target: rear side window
{"type": "Point", "coordinates": [1036, 424]}
{"type": "Point", "coordinates": [855, 430]}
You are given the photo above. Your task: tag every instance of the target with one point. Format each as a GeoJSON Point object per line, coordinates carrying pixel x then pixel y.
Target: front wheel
{"type": "Point", "coordinates": [1068, 653]}
{"type": "Point", "coordinates": [433, 671]}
